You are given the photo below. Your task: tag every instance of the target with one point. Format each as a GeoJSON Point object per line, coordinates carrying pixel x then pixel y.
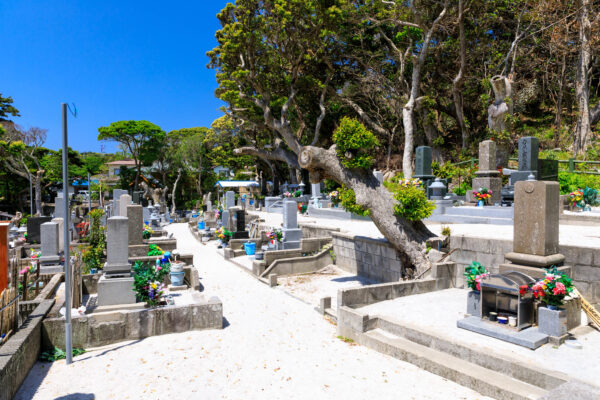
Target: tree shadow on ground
{"type": "Point", "coordinates": [354, 278]}
{"type": "Point", "coordinates": [225, 323]}
{"type": "Point", "coordinates": [77, 396]}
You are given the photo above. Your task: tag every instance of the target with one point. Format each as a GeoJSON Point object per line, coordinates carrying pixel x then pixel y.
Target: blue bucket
{"type": "Point", "coordinates": [201, 225]}
{"type": "Point", "coordinates": [250, 248]}
{"type": "Point", "coordinates": [194, 215]}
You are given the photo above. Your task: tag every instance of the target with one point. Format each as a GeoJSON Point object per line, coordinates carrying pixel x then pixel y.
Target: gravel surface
{"type": "Point", "coordinates": [273, 347]}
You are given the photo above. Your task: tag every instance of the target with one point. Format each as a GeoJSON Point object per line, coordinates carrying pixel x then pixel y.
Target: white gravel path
{"type": "Point", "coordinates": [275, 347]}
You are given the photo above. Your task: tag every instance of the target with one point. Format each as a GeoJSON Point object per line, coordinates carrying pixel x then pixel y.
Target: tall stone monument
{"type": "Point", "coordinates": [116, 285]}
{"type": "Point", "coordinates": [59, 206]}
{"type": "Point", "coordinates": [124, 202]}
{"type": "Point", "coordinates": [291, 234]}
{"type": "Point", "coordinates": [229, 199]}
{"type": "Point", "coordinates": [33, 228]}
{"type": "Point", "coordinates": [423, 157]}
{"type": "Point", "coordinates": [529, 148]}
{"type": "Point", "coordinates": [487, 176]}
{"type": "Point", "coordinates": [61, 233]}
{"type": "Point", "coordinates": [535, 235]}
{"type": "Point", "coordinates": [135, 216]}
{"type": "Point", "coordinates": [50, 250]}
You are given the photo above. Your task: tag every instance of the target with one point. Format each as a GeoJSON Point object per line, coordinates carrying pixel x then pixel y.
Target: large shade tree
{"type": "Point", "coordinates": [141, 139]}
{"type": "Point", "coordinates": [278, 66]}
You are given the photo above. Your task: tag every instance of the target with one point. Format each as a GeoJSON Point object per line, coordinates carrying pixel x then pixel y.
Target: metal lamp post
{"type": "Point", "coordinates": [65, 171]}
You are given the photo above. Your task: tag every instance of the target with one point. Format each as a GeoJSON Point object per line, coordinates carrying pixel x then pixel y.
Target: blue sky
{"type": "Point", "coordinates": [115, 59]}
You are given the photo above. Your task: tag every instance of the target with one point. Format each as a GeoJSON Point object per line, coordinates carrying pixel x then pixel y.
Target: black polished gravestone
{"type": "Point", "coordinates": [423, 157]}
{"type": "Point", "coordinates": [240, 225]}
{"type": "Point", "coordinates": [547, 170]}
{"type": "Point", "coordinates": [33, 228]}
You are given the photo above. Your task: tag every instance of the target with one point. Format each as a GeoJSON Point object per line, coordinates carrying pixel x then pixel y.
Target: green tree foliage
{"type": "Point", "coordinates": [348, 201]}
{"type": "Point", "coordinates": [354, 144]}
{"type": "Point", "coordinates": [412, 203]}
{"type": "Point", "coordinates": [7, 109]}
{"type": "Point", "coordinates": [142, 139]}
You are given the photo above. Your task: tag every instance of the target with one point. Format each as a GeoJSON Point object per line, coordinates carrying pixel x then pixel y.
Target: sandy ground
{"type": "Point", "coordinates": [425, 311]}
{"type": "Point", "coordinates": [311, 288]}
{"type": "Point", "coordinates": [568, 234]}
{"type": "Point", "coordinates": [274, 346]}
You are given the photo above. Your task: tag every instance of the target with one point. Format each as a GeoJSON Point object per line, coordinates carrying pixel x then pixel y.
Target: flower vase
{"type": "Point", "coordinates": [480, 203]}
{"type": "Point", "coordinates": [552, 307]}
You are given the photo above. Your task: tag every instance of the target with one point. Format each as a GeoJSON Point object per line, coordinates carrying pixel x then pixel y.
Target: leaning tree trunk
{"type": "Point", "coordinates": [407, 237]}
{"type": "Point", "coordinates": [583, 128]}
{"type": "Point", "coordinates": [408, 121]}
{"type": "Point", "coordinates": [174, 190]}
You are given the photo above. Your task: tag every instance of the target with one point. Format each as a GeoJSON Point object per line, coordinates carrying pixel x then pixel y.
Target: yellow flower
{"type": "Point", "coordinates": [154, 286]}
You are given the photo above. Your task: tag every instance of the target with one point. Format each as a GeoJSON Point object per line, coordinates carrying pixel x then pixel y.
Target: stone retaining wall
{"type": "Point", "coordinates": [21, 351]}
{"type": "Point", "coordinates": [373, 258]}
{"type": "Point", "coordinates": [313, 230]}
{"type": "Point", "coordinates": [490, 252]}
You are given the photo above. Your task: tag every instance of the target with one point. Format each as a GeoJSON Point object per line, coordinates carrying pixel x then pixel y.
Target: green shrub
{"type": "Point", "coordinates": [570, 182]}
{"type": "Point", "coordinates": [348, 201]}
{"type": "Point", "coordinates": [92, 256]}
{"type": "Point", "coordinates": [354, 143]}
{"type": "Point", "coordinates": [412, 203]}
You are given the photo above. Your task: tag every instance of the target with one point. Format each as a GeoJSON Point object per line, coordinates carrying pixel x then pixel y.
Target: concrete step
{"type": "Point", "coordinates": [487, 212]}
{"type": "Point", "coordinates": [464, 219]}
{"type": "Point", "coordinates": [518, 369]}
{"type": "Point", "coordinates": [485, 381]}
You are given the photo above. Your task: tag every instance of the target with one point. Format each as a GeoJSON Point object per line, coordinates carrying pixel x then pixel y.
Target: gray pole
{"type": "Point", "coordinates": [30, 196]}
{"type": "Point", "coordinates": [65, 170]}
{"type": "Point", "coordinates": [89, 203]}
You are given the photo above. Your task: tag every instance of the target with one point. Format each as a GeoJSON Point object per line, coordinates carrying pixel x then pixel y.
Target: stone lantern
{"type": "Point", "coordinates": [437, 190]}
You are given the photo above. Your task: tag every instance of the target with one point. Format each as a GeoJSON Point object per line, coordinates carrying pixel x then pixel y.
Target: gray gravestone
{"type": "Point", "coordinates": [487, 176]}
{"type": "Point", "coordinates": [49, 236]}
{"type": "Point", "coordinates": [33, 228]}
{"type": "Point", "coordinates": [59, 207]}
{"type": "Point", "coordinates": [291, 234]}
{"type": "Point", "coordinates": [208, 205]}
{"type": "Point", "coordinates": [229, 199]}
{"type": "Point", "coordinates": [226, 220]}
{"type": "Point", "coordinates": [61, 233]}
{"type": "Point", "coordinates": [146, 214]}
{"type": "Point", "coordinates": [117, 243]}
{"type": "Point", "coordinates": [116, 285]}
{"type": "Point", "coordinates": [528, 159]}
{"type": "Point", "coordinates": [135, 215]}
{"type": "Point", "coordinates": [124, 202]}
{"type": "Point", "coordinates": [423, 162]}
{"type": "Point", "coordinates": [535, 230]}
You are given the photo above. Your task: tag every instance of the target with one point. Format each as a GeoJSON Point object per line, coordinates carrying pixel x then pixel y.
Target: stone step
{"type": "Point", "coordinates": [485, 381]}
{"type": "Point", "coordinates": [484, 357]}
{"type": "Point", "coordinates": [463, 219]}
{"type": "Point", "coordinates": [488, 212]}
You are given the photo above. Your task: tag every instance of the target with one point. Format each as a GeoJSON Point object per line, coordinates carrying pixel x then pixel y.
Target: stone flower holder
{"type": "Point", "coordinates": [474, 303]}
{"type": "Point", "coordinates": [552, 322]}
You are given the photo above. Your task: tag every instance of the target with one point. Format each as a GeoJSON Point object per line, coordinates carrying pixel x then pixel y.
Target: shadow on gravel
{"type": "Point", "coordinates": [225, 323]}
{"type": "Point", "coordinates": [77, 396]}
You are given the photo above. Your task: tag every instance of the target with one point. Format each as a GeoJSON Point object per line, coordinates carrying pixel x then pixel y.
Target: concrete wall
{"type": "Point", "coordinates": [110, 327]}
{"type": "Point", "coordinates": [313, 230]}
{"type": "Point", "coordinates": [299, 265]}
{"type": "Point", "coordinates": [490, 252]}
{"type": "Point", "coordinates": [21, 351]}
{"type": "Point", "coordinates": [373, 258]}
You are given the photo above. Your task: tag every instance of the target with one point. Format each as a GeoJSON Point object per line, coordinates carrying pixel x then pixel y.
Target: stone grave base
{"type": "Point", "coordinates": [531, 338]}
{"type": "Point", "coordinates": [534, 272]}
{"type": "Point", "coordinates": [191, 311]}
{"type": "Point", "coordinates": [113, 291]}
{"type": "Point", "coordinates": [493, 183]}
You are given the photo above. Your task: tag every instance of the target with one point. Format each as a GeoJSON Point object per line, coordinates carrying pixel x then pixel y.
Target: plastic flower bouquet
{"type": "Point", "coordinates": [275, 236]}
{"type": "Point", "coordinates": [287, 195]}
{"type": "Point", "coordinates": [297, 193]}
{"type": "Point", "coordinates": [474, 273]}
{"type": "Point", "coordinates": [335, 197]}
{"type": "Point", "coordinates": [218, 213]}
{"type": "Point", "coordinates": [148, 281]}
{"type": "Point", "coordinates": [576, 198]}
{"type": "Point", "coordinates": [302, 208]}
{"type": "Point", "coordinates": [35, 254]}
{"type": "Point", "coordinates": [553, 289]}
{"type": "Point", "coordinates": [223, 234]}
{"type": "Point", "coordinates": [148, 231]}
{"type": "Point", "coordinates": [410, 182]}
{"type": "Point", "coordinates": [484, 194]}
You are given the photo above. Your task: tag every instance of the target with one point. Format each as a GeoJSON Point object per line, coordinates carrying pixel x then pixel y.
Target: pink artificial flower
{"type": "Point", "coordinates": [21, 272]}
{"type": "Point", "coordinates": [158, 268]}
{"type": "Point", "coordinates": [559, 289]}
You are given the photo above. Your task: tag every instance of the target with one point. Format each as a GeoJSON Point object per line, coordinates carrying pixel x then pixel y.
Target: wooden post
{"type": "Point", "coordinates": [3, 256]}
